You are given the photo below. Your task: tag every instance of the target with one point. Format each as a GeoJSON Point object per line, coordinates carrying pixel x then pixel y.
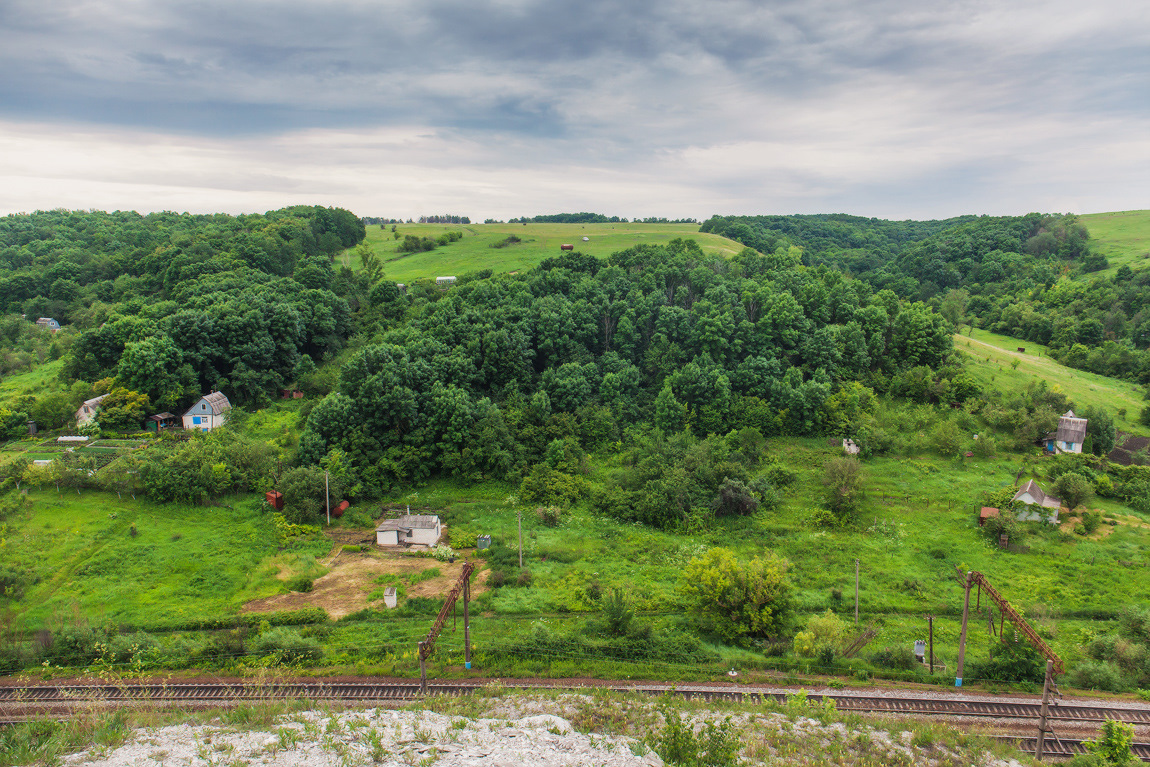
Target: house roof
{"type": "Point", "coordinates": [160, 417]}
{"type": "Point", "coordinates": [216, 401]}
{"type": "Point", "coordinates": [95, 401]}
{"type": "Point", "coordinates": [1071, 428]}
{"type": "Point", "coordinates": [1040, 497]}
{"type": "Point", "coordinates": [410, 522]}
{"type": "Point", "coordinates": [987, 512]}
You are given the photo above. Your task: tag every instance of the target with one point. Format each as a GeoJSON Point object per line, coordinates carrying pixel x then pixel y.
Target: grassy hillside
{"type": "Point", "coordinates": [539, 241]}
{"type": "Point", "coordinates": [991, 361]}
{"type": "Point", "coordinates": [1123, 237]}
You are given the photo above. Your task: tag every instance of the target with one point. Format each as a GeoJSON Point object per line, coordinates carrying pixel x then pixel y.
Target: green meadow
{"type": "Point", "coordinates": [991, 357]}
{"type": "Point", "coordinates": [537, 241]}
{"type": "Point", "coordinates": [1123, 237]}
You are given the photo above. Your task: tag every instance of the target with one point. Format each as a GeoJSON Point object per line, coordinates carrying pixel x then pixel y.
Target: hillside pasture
{"type": "Point", "coordinates": [990, 359]}
{"type": "Point", "coordinates": [1123, 237]}
{"type": "Point", "coordinates": [538, 241]}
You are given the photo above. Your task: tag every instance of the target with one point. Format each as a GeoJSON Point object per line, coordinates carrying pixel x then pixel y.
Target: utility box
{"type": "Point", "coordinates": [389, 597]}
{"type": "Point", "coordinates": [483, 542]}
{"type": "Point", "coordinates": [276, 499]}
{"type": "Point", "coordinates": [919, 650]}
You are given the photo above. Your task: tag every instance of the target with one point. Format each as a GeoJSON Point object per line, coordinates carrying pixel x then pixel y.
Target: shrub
{"type": "Point", "coordinates": [524, 578]}
{"type": "Point", "coordinates": [617, 613]}
{"type": "Point", "coordinates": [550, 516]}
{"type": "Point", "coordinates": [1074, 489]}
{"type": "Point", "coordinates": [300, 583]}
{"type": "Point", "coordinates": [352, 548]}
{"type": "Point", "coordinates": [1098, 675]}
{"type": "Point", "coordinates": [1091, 520]}
{"type": "Point", "coordinates": [286, 646]}
{"type": "Point", "coordinates": [717, 745]}
{"type": "Point", "coordinates": [895, 657]}
{"type": "Point", "coordinates": [1013, 661]}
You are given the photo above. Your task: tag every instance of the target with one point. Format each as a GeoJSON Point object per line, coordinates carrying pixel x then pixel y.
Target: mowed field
{"type": "Point", "coordinates": [1123, 237]}
{"type": "Point", "coordinates": [991, 357]}
{"type": "Point", "coordinates": [538, 241]}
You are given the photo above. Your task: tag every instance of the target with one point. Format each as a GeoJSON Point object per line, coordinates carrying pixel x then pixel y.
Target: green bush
{"type": "Point", "coordinates": [301, 583]}
{"type": "Point", "coordinates": [895, 657]}
{"type": "Point", "coordinates": [352, 548]}
{"type": "Point", "coordinates": [286, 646]}
{"type": "Point", "coordinates": [1098, 675]}
{"type": "Point", "coordinates": [1013, 661]}
{"type": "Point", "coordinates": [716, 745]}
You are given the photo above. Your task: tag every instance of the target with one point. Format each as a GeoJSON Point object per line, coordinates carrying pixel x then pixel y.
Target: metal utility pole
{"type": "Point", "coordinates": [466, 625]}
{"type": "Point", "coordinates": [1042, 714]}
{"type": "Point", "coordinates": [856, 592]}
{"type": "Point", "coordinates": [327, 497]}
{"type": "Point", "coordinates": [962, 634]}
{"type": "Point", "coordinates": [930, 631]}
{"type": "Point", "coordinates": [519, 514]}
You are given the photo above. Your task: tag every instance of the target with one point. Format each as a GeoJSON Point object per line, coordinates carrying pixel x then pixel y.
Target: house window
{"type": "Point", "coordinates": [204, 406]}
{"type": "Point", "coordinates": [1069, 445]}
{"type": "Point", "coordinates": [204, 429]}
{"type": "Point", "coordinates": [408, 533]}
{"type": "Point", "coordinates": [195, 420]}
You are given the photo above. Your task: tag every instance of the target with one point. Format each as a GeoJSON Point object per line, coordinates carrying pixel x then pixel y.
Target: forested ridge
{"type": "Point", "coordinates": [1024, 276]}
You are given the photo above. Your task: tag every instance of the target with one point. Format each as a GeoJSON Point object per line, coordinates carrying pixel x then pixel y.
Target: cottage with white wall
{"type": "Point", "coordinates": [422, 529]}
{"type": "Point", "coordinates": [1070, 435]}
{"type": "Point", "coordinates": [87, 412]}
{"type": "Point", "coordinates": [208, 412]}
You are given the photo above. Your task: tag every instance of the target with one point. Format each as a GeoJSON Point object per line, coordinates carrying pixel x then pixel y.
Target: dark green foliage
{"type": "Point", "coordinates": [842, 478]}
{"type": "Point", "coordinates": [287, 646]}
{"type": "Point", "coordinates": [1099, 675]}
{"type": "Point", "coordinates": [895, 657]}
{"type": "Point", "coordinates": [1115, 744]}
{"type": "Point", "coordinates": [617, 613]}
{"type": "Point", "coordinates": [1074, 490]}
{"type": "Point", "coordinates": [300, 583]}
{"type": "Point", "coordinates": [1015, 660]}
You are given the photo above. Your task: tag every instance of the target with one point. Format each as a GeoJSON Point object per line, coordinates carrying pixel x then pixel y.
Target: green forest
{"type": "Point", "coordinates": [691, 403]}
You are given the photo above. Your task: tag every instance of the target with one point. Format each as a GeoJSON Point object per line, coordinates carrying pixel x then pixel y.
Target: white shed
{"type": "Point", "coordinates": [444, 282]}
{"type": "Point", "coordinates": [423, 529]}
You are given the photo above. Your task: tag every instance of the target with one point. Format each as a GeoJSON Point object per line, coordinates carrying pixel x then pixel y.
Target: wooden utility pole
{"type": "Point", "coordinates": [930, 633]}
{"type": "Point", "coordinates": [856, 592]}
{"type": "Point", "coordinates": [962, 634]}
{"type": "Point", "coordinates": [1042, 714]}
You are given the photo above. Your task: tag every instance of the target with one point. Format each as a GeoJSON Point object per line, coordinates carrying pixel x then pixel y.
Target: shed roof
{"type": "Point", "coordinates": [160, 417]}
{"type": "Point", "coordinates": [988, 512]}
{"type": "Point", "coordinates": [95, 401]}
{"type": "Point", "coordinates": [410, 522]}
{"type": "Point", "coordinates": [1071, 428]}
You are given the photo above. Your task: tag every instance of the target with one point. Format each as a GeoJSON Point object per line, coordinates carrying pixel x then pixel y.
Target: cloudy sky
{"type": "Point", "coordinates": [888, 108]}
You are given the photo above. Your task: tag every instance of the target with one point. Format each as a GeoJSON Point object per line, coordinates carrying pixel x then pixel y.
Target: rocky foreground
{"type": "Point", "coordinates": [508, 730]}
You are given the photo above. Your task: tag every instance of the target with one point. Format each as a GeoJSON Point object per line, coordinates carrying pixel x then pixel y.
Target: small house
{"type": "Point", "coordinates": [48, 323]}
{"type": "Point", "coordinates": [1036, 500]}
{"type": "Point", "coordinates": [987, 512]}
{"type": "Point", "coordinates": [444, 282]}
{"type": "Point", "coordinates": [87, 412]}
{"type": "Point", "coordinates": [422, 529]}
{"type": "Point", "coordinates": [1070, 435]}
{"type": "Point", "coordinates": [208, 412]}
{"type": "Point", "coordinates": [849, 447]}
{"type": "Point", "coordinates": [402, 288]}
{"type": "Point", "coordinates": [275, 499]}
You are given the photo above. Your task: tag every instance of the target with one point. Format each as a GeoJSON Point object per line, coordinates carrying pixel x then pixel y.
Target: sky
{"type": "Point", "coordinates": [500, 108]}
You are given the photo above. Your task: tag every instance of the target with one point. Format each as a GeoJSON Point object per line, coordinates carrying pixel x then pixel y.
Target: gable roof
{"type": "Point", "coordinates": [216, 402]}
{"type": "Point", "coordinates": [1040, 497]}
{"type": "Point", "coordinates": [1071, 428]}
{"type": "Point", "coordinates": [95, 401]}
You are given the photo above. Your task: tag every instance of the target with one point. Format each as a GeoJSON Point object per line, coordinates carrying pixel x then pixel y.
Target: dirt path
{"type": "Point", "coordinates": [352, 579]}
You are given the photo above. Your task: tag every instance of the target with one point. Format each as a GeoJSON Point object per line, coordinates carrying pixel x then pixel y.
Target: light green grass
{"type": "Point", "coordinates": [1123, 237]}
{"type": "Point", "coordinates": [185, 561]}
{"type": "Point", "coordinates": [30, 383]}
{"type": "Point", "coordinates": [539, 241]}
{"type": "Point", "coordinates": [1083, 388]}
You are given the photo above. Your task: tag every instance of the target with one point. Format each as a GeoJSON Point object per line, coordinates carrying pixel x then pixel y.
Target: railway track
{"type": "Point", "coordinates": [57, 695]}
{"type": "Point", "coordinates": [20, 703]}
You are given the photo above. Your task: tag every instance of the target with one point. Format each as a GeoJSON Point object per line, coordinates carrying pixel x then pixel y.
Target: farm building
{"type": "Point", "coordinates": [421, 529]}
{"type": "Point", "coordinates": [87, 412]}
{"type": "Point", "coordinates": [1070, 435]}
{"type": "Point", "coordinates": [987, 512]}
{"type": "Point", "coordinates": [1036, 499]}
{"type": "Point", "coordinates": [444, 282]}
{"type": "Point", "coordinates": [208, 412]}
{"type": "Point", "coordinates": [161, 421]}
{"type": "Point", "coordinates": [49, 323]}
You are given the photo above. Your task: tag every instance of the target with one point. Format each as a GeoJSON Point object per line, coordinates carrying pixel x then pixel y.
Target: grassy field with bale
{"type": "Point", "coordinates": [477, 251]}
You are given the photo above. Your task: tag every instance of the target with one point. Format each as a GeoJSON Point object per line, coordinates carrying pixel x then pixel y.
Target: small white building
{"type": "Point", "coordinates": [48, 323]}
{"type": "Point", "coordinates": [444, 282]}
{"type": "Point", "coordinates": [389, 597]}
{"type": "Point", "coordinates": [849, 447]}
{"type": "Point", "coordinates": [208, 412]}
{"type": "Point", "coordinates": [423, 529]}
{"type": "Point", "coordinates": [1070, 435]}
{"type": "Point", "coordinates": [87, 412]}
{"type": "Point", "coordinates": [1037, 502]}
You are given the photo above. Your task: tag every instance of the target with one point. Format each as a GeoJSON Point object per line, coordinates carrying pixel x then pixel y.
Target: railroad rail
{"type": "Point", "coordinates": [1066, 748]}
{"type": "Point", "coordinates": [57, 695]}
